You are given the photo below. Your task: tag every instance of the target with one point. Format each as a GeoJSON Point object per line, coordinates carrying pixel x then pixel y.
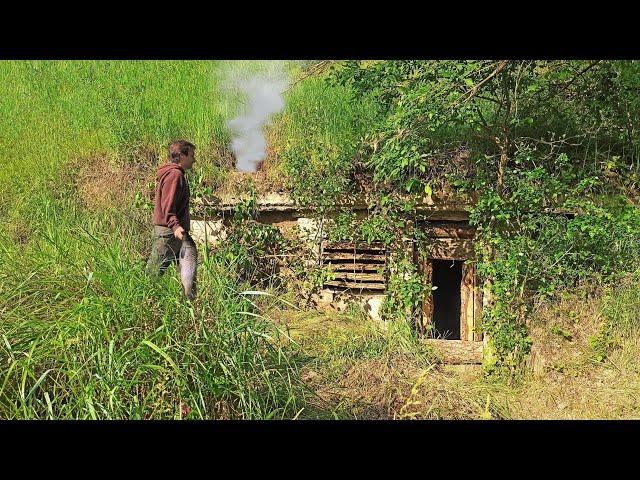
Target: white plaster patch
{"type": "Point", "coordinates": [212, 231]}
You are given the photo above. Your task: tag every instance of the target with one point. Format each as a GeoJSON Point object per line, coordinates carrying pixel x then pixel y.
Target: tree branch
{"type": "Point", "coordinates": [314, 69]}
{"type": "Point", "coordinates": [578, 75]}
{"type": "Point", "coordinates": [488, 99]}
{"type": "Point", "coordinates": [472, 91]}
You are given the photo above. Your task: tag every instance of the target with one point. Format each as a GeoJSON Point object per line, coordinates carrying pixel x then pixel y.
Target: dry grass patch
{"type": "Point", "coordinates": [357, 370]}
{"type": "Point", "coordinates": [569, 379]}
{"type": "Point", "coordinates": [101, 184]}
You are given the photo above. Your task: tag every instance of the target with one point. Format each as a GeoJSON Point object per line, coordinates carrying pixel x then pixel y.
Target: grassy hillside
{"type": "Point", "coordinates": [84, 333]}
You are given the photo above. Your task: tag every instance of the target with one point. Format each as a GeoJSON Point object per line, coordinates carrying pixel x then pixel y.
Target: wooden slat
{"type": "Point", "coordinates": [351, 256]}
{"type": "Point", "coordinates": [352, 246]}
{"type": "Point", "coordinates": [355, 285]}
{"type": "Point", "coordinates": [354, 267]}
{"type": "Point", "coordinates": [351, 251]}
{"type": "Point", "coordinates": [467, 303]}
{"type": "Point", "coordinates": [446, 231]}
{"type": "Point", "coordinates": [452, 216]}
{"type": "Point", "coordinates": [371, 277]}
{"type": "Point", "coordinates": [477, 309]}
{"type": "Point", "coordinates": [450, 248]}
{"type": "Point", "coordinates": [352, 261]}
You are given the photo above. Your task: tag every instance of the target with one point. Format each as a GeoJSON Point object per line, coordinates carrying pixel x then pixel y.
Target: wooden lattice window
{"type": "Point", "coordinates": [355, 266]}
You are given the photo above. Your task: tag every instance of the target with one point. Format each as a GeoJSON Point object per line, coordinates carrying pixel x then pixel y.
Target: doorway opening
{"type": "Point", "coordinates": [447, 276]}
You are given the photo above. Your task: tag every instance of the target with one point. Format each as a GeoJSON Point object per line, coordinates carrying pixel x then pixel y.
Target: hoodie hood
{"type": "Point", "coordinates": [169, 167]}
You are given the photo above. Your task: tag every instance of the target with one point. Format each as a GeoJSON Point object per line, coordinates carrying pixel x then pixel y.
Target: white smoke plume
{"type": "Point", "coordinates": [261, 88]}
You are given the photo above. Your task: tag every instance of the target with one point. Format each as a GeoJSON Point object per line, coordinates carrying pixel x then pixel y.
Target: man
{"type": "Point", "coordinates": [171, 210]}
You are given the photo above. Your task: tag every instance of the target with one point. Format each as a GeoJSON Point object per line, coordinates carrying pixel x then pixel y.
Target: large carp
{"type": "Point", "coordinates": [188, 265]}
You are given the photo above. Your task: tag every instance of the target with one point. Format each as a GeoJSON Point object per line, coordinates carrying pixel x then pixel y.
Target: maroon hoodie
{"type": "Point", "coordinates": [172, 198]}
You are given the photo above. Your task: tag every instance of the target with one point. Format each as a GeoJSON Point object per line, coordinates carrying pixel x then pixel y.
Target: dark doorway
{"type": "Point", "coordinates": [447, 276]}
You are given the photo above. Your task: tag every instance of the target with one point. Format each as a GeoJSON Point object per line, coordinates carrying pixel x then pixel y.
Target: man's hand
{"type": "Point", "coordinates": [179, 232]}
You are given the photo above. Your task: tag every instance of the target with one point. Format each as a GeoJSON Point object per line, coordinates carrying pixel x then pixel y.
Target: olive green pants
{"type": "Point", "coordinates": [164, 251]}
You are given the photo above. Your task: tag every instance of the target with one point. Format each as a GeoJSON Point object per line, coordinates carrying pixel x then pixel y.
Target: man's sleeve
{"type": "Point", "coordinates": [170, 195]}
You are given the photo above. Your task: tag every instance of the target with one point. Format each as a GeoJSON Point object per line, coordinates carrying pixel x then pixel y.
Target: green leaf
{"type": "Point", "coordinates": [532, 88]}
{"type": "Point", "coordinates": [163, 354]}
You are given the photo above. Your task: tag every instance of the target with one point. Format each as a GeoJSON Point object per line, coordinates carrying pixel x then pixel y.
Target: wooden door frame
{"type": "Point", "coordinates": [470, 300]}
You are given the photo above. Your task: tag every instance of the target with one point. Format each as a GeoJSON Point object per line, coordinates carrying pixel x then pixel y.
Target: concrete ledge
{"type": "Point", "coordinates": [278, 202]}
{"type": "Point", "coordinates": [429, 208]}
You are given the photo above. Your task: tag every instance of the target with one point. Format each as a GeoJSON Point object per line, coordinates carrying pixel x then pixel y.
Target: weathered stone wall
{"type": "Point", "coordinates": [280, 211]}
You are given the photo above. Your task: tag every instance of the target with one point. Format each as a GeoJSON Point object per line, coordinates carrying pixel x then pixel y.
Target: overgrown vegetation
{"type": "Point", "coordinates": [523, 140]}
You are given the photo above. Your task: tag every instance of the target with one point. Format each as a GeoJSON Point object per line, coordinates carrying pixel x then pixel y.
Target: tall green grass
{"type": "Point", "coordinates": [53, 110]}
{"type": "Point", "coordinates": [318, 111]}
{"type": "Point", "coordinates": [85, 333]}
{"type": "Point", "coordinates": [621, 305]}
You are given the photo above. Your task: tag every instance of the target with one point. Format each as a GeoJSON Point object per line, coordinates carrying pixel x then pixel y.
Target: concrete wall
{"type": "Point", "coordinates": [311, 232]}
